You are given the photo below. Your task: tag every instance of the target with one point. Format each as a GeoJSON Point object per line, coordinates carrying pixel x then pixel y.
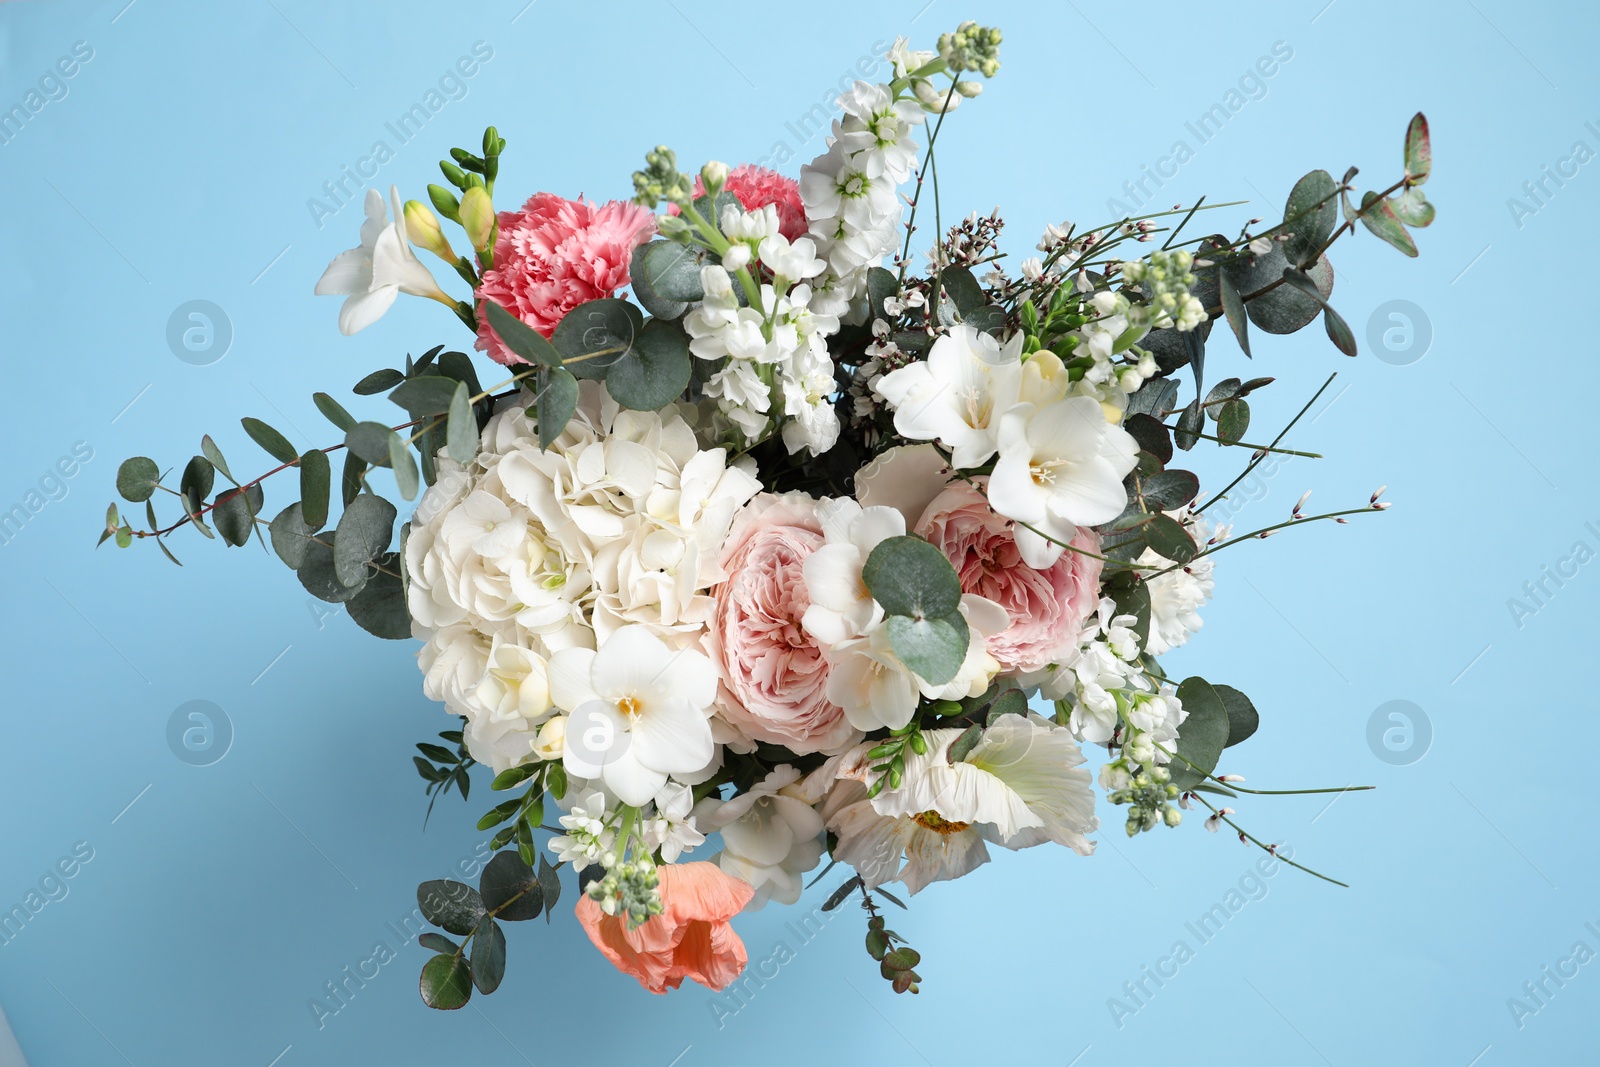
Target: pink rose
{"type": "Point", "coordinates": [774, 676]}
{"type": "Point", "coordinates": [555, 254]}
{"type": "Point", "coordinates": [1047, 607]}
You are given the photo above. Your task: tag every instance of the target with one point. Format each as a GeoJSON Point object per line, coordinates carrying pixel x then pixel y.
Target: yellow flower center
{"type": "Point", "coordinates": [630, 707]}
{"type": "Point", "coordinates": [932, 820]}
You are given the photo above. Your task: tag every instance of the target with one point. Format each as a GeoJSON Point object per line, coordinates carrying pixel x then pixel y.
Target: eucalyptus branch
{"type": "Point", "coordinates": [1256, 460]}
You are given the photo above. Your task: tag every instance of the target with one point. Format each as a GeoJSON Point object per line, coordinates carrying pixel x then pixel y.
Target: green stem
{"type": "Point", "coordinates": [1257, 460]}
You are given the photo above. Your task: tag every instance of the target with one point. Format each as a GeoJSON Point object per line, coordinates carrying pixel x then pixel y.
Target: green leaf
{"type": "Point", "coordinates": [1150, 433]}
{"type": "Point", "coordinates": [446, 982]}
{"type": "Point", "coordinates": [1202, 736]}
{"type": "Point", "coordinates": [124, 537]}
{"type": "Point", "coordinates": [1286, 309]}
{"type": "Point", "coordinates": [910, 577]}
{"type": "Point", "coordinates": [1379, 217]}
{"type": "Point", "coordinates": [454, 906]}
{"type": "Point", "coordinates": [1010, 702]}
{"type": "Point", "coordinates": [933, 647]}
{"type": "Point", "coordinates": [1233, 419]}
{"type": "Point", "coordinates": [672, 271]}
{"type": "Point", "coordinates": [1233, 308]}
{"type": "Point", "coordinates": [274, 443]}
{"type": "Point", "coordinates": [350, 479]}
{"type": "Point", "coordinates": [990, 319]}
{"type": "Point", "coordinates": [209, 449]}
{"type": "Point", "coordinates": [233, 517]}
{"type": "Point", "coordinates": [378, 381]}
{"type": "Point", "coordinates": [1242, 717]}
{"type": "Point", "coordinates": [315, 483]}
{"type": "Point", "coordinates": [1190, 423]}
{"type": "Point", "coordinates": [510, 888]}
{"type": "Point", "coordinates": [653, 302]}
{"type": "Point", "coordinates": [902, 959]}
{"type": "Point", "coordinates": [461, 433]}
{"type": "Point", "coordinates": [1412, 208]}
{"type": "Point", "coordinates": [198, 478]}
{"type": "Point", "coordinates": [549, 886]}
{"type": "Point", "coordinates": [963, 288]}
{"type": "Point", "coordinates": [1338, 330]}
{"type": "Point", "coordinates": [437, 943]}
{"type": "Point", "coordinates": [380, 606]}
{"type": "Point", "coordinates": [513, 776]}
{"type": "Point", "coordinates": [1169, 490]}
{"type": "Point", "coordinates": [370, 441]}
{"type": "Point", "coordinates": [655, 372]}
{"type": "Point", "coordinates": [488, 957]}
{"type": "Point", "coordinates": [1134, 599]}
{"type": "Point", "coordinates": [364, 531]}
{"type": "Point", "coordinates": [430, 395]}
{"type": "Point", "coordinates": [1169, 539]}
{"type": "Point", "coordinates": [608, 326]}
{"type": "Point", "coordinates": [838, 896]}
{"type": "Point", "coordinates": [137, 479]}
{"type": "Point", "coordinates": [1226, 389]}
{"type": "Point", "coordinates": [963, 745]}
{"type": "Point", "coordinates": [524, 341]}
{"type": "Point", "coordinates": [405, 468]}
{"type": "Point", "coordinates": [458, 365]}
{"type": "Point", "coordinates": [1419, 151]}
{"type": "Point", "coordinates": [881, 285]}
{"type": "Point", "coordinates": [500, 813]}
{"type": "Point", "coordinates": [333, 411]}
{"type": "Point", "coordinates": [1309, 216]}
{"type": "Point", "coordinates": [556, 403]}
{"type": "Point", "coordinates": [318, 577]}
{"type": "Point", "coordinates": [291, 536]}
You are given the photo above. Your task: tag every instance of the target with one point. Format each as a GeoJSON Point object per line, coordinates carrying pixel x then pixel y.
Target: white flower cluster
{"type": "Point", "coordinates": [777, 362]}
{"type": "Point", "coordinates": [849, 192]}
{"type": "Point", "coordinates": [1178, 593]}
{"type": "Point", "coordinates": [529, 552]}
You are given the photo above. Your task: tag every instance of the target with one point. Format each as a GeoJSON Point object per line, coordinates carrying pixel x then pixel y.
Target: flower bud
{"type": "Point", "coordinates": [969, 89]}
{"type": "Point", "coordinates": [1172, 816]}
{"type": "Point", "coordinates": [671, 226]}
{"type": "Point", "coordinates": [477, 216]}
{"type": "Point", "coordinates": [714, 175]}
{"type": "Point", "coordinates": [422, 227]}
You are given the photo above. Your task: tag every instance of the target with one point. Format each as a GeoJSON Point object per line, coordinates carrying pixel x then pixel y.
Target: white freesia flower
{"type": "Point", "coordinates": [870, 683]}
{"type": "Point", "coordinates": [841, 608]}
{"type": "Point", "coordinates": [383, 266]}
{"type": "Point", "coordinates": [1060, 466]}
{"type": "Point", "coordinates": [770, 836]}
{"type": "Point", "coordinates": [958, 394]}
{"type": "Point", "coordinates": [650, 701]}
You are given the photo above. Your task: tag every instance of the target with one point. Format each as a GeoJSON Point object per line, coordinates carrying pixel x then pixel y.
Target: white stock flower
{"type": "Point", "coordinates": [383, 266]}
{"type": "Point", "coordinates": [648, 703]}
{"type": "Point", "coordinates": [958, 394]}
{"type": "Point", "coordinates": [1177, 595]}
{"type": "Point", "coordinates": [672, 826]}
{"type": "Point", "coordinates": [1060, 466]}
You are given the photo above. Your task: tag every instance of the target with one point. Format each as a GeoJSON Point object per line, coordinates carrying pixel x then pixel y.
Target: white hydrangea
{"type": "Point", "coordinates": [527, 551]}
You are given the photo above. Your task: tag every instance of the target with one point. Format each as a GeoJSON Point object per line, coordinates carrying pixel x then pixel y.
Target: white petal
{"type": "Point", "coordinates": [672, 736]}
{"type": "Point", "coordinates": [631, 781]}
{"type": "Point", "coordinates": [350, 272]}
{"type": "Point", "coordinates": [630, 663]}
{"type": "Point", "coordinates": [571, 670]}
{"type": "Point", "coordinates": [363, 309]}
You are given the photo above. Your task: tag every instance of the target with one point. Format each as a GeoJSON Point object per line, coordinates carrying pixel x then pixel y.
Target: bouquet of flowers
{"type": "Point", "coordinates": [810, 546]}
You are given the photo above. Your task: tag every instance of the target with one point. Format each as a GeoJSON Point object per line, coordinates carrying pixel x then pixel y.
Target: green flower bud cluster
{"type": "Point", "coordinates": [1150, 795]}
{"type": "Point", "coordinates": [661, 180]}
{"type": "Point", "coordinates": [972, 47]}
{"type": "Point", "coordinates": [629, 889]}
{"type": "Point", "coordinates": [1166, 278]}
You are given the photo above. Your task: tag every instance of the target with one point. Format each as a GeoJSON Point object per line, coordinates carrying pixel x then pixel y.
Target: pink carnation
{"type": "Point", "coordinates": [555, 254]}
{"type": "Point", "coordinates": [756, 187]}
{"type": "Point", "coordinates": [1047, 607]}
{"type": "Point", "coordinates": [774, 676]}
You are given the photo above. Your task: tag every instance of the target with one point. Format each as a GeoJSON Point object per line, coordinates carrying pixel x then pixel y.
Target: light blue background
{"type": "Point", "coordinates": [179, 166]}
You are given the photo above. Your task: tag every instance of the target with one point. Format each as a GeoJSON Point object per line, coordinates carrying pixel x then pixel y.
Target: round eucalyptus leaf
{"type": "Point", "coordinates": [370, 441]}
{"type": "Point", "coordinates": [1309, 216]}
{"type": "Point", "coordinates": [379, 607]}
{"type": "Point", "coordinates": [1169, 539]}
{"type": "Point", "coordinates": [446, 982]}
{"type": "Point", "coordinates": [137, 478]}
{"type": "Point", "coordinates": [454, 906]}
{"type": "Point", "coordinates": [910, 577]}
{"type": "Point", "coordinates": [671, 271]}
{"type": "Point", "coordinates": [365, 530]}
{"type": "Point", "coordinates": [1287, 309]}
{"type": "Point", "coordinates": [934, 648]}
{"type": "Point", "coordinates": [510, 888]}
{"type": "Point", "coordinates": [291, 536]}
{"type": "Point", "coordinates": [655, 372]}
{"type": "Point", "coordinates": [653, 302]}
{"type": "Point", "coordinates": [1242, 716]}
{"type": "Point", "coordinates": [316, 572]}
{"type": "Point", "coordinates": [1204, 733]}
{"type": "Point", "coordinates": [488, 957]}
{"type": "Point", "coordinates": [607, 326]}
